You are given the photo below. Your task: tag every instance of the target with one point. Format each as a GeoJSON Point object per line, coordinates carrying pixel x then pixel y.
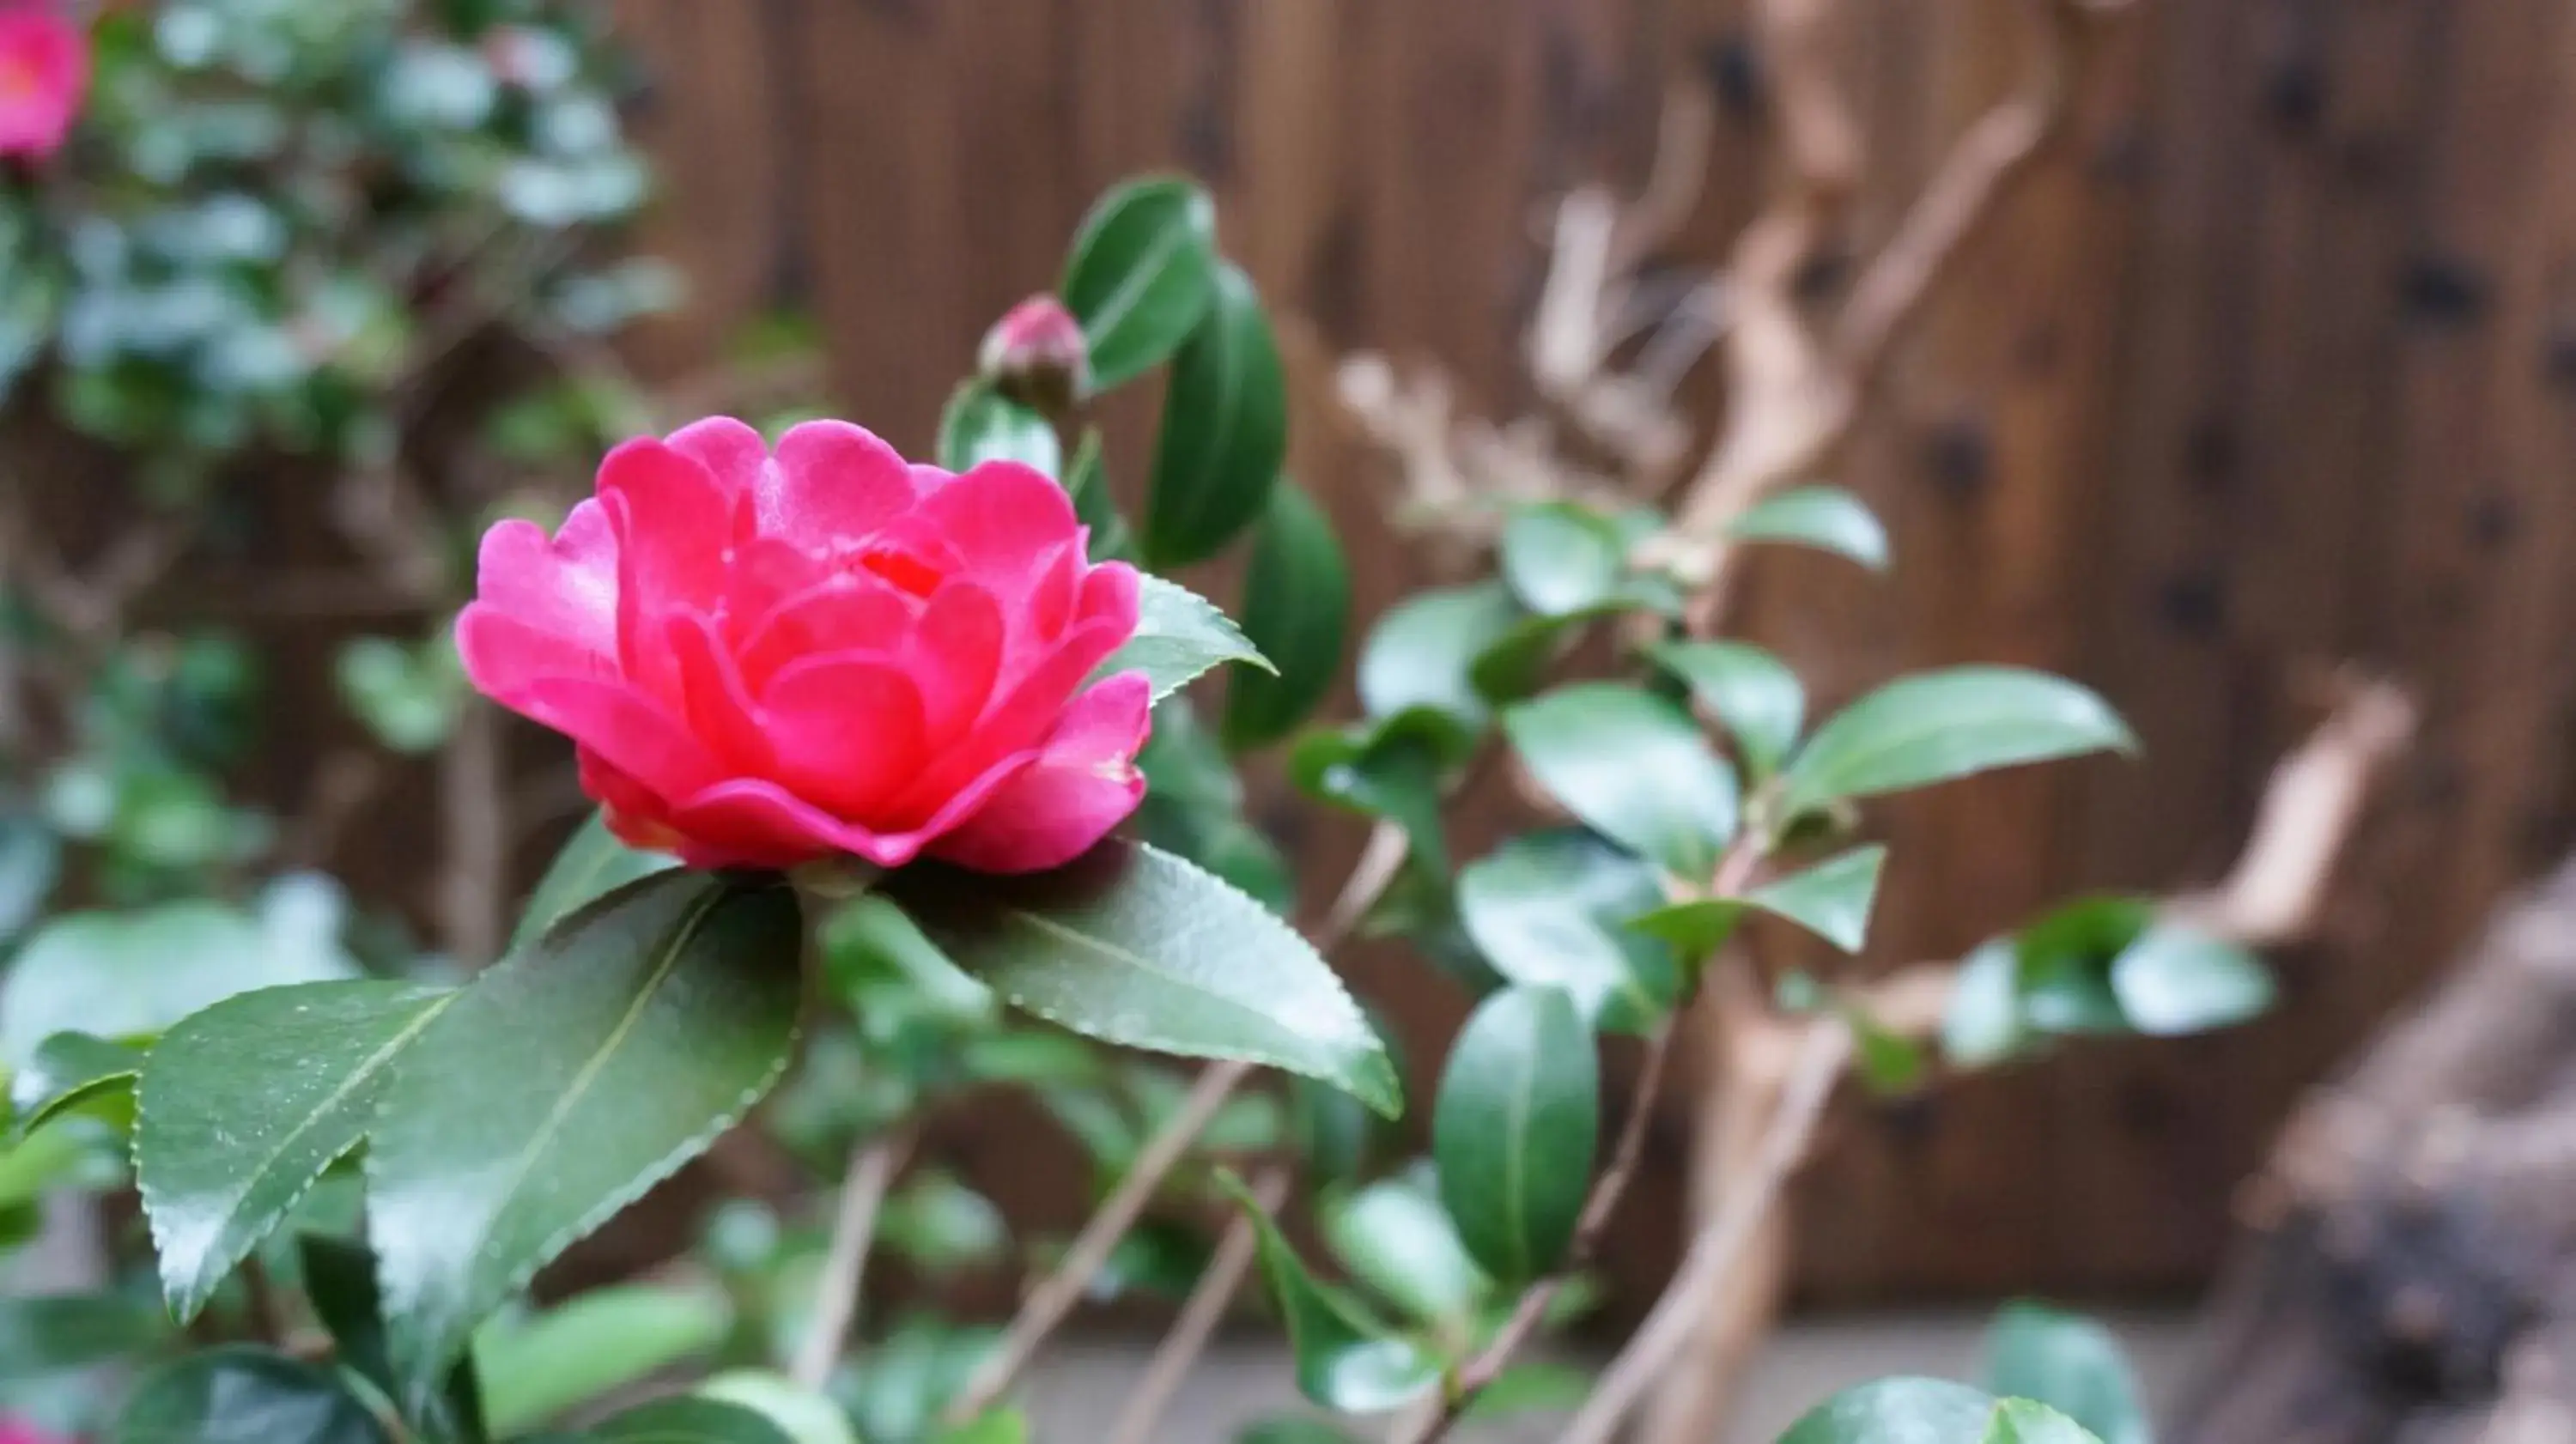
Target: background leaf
{"type": "Point", "coordinates": [1898, 1411]}
{"type": "Point", "coordinates": [243, 1105]}
{"type": "Point", "coordinates": [1831, 899]}
{"type": "Point", "coordinates": [1395, 1237]}
{"type": "Point", "coordinates": [591, 865]}
{"type": "Point", "coordinates": [1296, 608]}
{"type": "Point", "coordinates": [538, 1368]}
{"type": "Point", "coordinates": [1344, 1360]}
{"type": "Point", "coordinates": [339, 1278]}
{"type": "Point", "coordinates": [1224, 434]}
{"type": "Point", "coordinates": [1935, 726]}
{"type": "Point", "coordinates": [1422, 648]}
{"type": "Point", "coordinates": [74, 1071]}
{"type": "Point", "coordinates": [1135, 946]}
{"type": "Point", "coordinates": [1515, 1130]}
{"type": "Point", "coordinates": [244, 1396]}
{"type": "Point", "coordinates": [688, 1420]}
{"type": "Point", "coordinates": [803, 1415]}
{"type": "Point", "coordinates": [43, 1334]}
{"type": "Point", "coordinates": [563, 1083]}
{"type": "Point", "coordinates": [1548, 910]}
{"type": "Point", "coordinates": [1560, 558]}
{"type": "Point", "coordinates": [2176, 979]}
{"type": "Point", "coordinates": [2069, 1363]}
{"type": "Point", "coordinates": [1752, 694]}
{"type": "Point", "coordinates": [1179, 634]}
{"type": "Point", "coordinates": [1633, 768]}
{"type": "Point", "coordinates": [1825, 517]}
{"type": "Point", "coordinates": [1141, 274]}
{"type": "Point", "coordinates": [979, 425]}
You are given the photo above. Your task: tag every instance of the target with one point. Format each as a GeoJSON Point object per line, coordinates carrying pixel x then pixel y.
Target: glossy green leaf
{"type": "Point", "coordinates": [1825, 517]}
{"type": "Point", "coordinates": [1002, 1426]}
{"type": "Point", "coordinates": [1296, 608]}
{"type": "Point", "coordinates": [1394, 1236]}
{"type": "Point", "coordinates": [1547, 910]}
{"type": "Point", "coordinates": [1194, 807]}
{"type": "Point", "coordinates": [1515, 1130]}
{"type": "Point", "coordinates": [1560, 559]}
{"type": "Point", "coordinates": [1633, 768]}
{"type": "Point", "coordinates": [878, 962]}
{"type": "Point", "coordinates": [1935, 726]}
{"type": "Point", "coordinates": [243, 1105]}
{"type": "Point", "coordinates": [1752, 694]}
{"type": "Point", "coordinates": [979, 424]}
{"type": "Point", "coordinates": [591, 864]}
{"type": "Point", "coordinates": [1694, 928]}
{"type": "Point", "coordinates": [241, 1395]}
{"type": "Point", "coordinates": [804, 1416]}
{"type": "Point", "coordinates": [1516, 663]}
{"type": "Point", "coordinates": [565, 1082]}
{"type": "Point", "coordinates": [1532, 1387]}
{"type": "Point", "coordinates": [2070, 1363]}
{"type": "Point", "coordinates": [42, 1334]}
{"type": "Point", "coordinates": [1898, 1411]}
{"type": "Point", "coordinates": [1141, 275]}
{"type": "Point", "coordinates": [1179, 634]}
{"type": "Point", "coordinates": [2027, 1421]}
{"type": "Point", "coordinates": [408, 695]}
{"type": "Point", "coordinates": [1344, 1359]}
{"type": "Point", "coordinates": [688, 1420]}
{"type": "Point", "coordinates": [1421, 652]}
{"type": "Point", "coordinates": [1136, 947]}
{"type": "Point", "coordinates": [75, 1071]}
{"type": "Point", "coordinates": [1392, 768]}
{"type": "Point", "coordinates": [2062, 981]}
{"type": "Point", "coordinates": [2177, 979]}
{"type": "Point", "coordinates": [339, 1278]}
{"type": "Point", "coordinates": [1224, 434]}
{"type": "Point", "coordinates": [1982, 1023]}
{"type": "Point", "coordinates": [539, 1368]}
{"type": "Point", "coordinates": [132, 974]}
{"type": "Point", "coordinates": [1831, 899]}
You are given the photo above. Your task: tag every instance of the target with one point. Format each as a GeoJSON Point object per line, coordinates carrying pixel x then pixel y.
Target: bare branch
{"type": "Point", "coordinates": [1197, 1323]}
{"type": "Point", "coordinates": [854, 1222]}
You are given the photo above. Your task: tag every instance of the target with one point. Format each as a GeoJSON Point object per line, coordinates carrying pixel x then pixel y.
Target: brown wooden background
{"type": "Point", "coordinates": [2270, 369]}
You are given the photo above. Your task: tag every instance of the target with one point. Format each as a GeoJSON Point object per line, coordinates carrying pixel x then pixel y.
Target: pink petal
{"type": "Point", "coordinates": [1085, 783]}
{"type": "Point", "coordinates": [628, 732]}
{"type": "Point", "coordinates": [834, 483]}
{"type": "Point", "coordinates": [1004, 519]}
{"type": "Point", "coordinates": [674, 526]}
{"type": "Point", "coordinates": [505, 656]}
{"type": "Point", "coordinates": [954, 653]}
{"type": "Point", "coordinates": [751, 823]}
{"type": "Point", "coordinates": [731, 451]}
{"type": "Point", "coordinates": [847, 731]}
{"type": "Point", "coordinates": [851, 612]}
{"type": "Point", "coordinates": [1016, 721]}
{"type": "Point", "coordinates": [565, 585]}
{"type": "Point", "coordinates": [714, 700]}
{"type": "Point", "coordinates": [1111, 593]}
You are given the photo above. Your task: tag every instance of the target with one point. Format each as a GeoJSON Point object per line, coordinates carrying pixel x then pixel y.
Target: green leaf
{"type": "Point", "coordinates": [1141, 275]}
{"type": "Point", "coordinates": [50, 1333]}
{"type": "Point", "coordinates": [1087, 481]}
{"type": "Point", "coordinates": [1515, 1130]}
{"type": "Point", "coordinates": [243, 1105]}
{"type": "Point", "coordinates": [1194, 807]}
{"type": "Point", "coordinates": [1421, 652]}
{"type": "Point", "coordinates": [878, 963]}
{"type": "Point", "coordinates": [562, 1084]}
{"type": "Point", "coordinates": [30, 861]}
{"type": "Point", "coordinates": [1982, 1025]}
{"type": "Point", "coordinates": [1935, 726]}
{"type": "Point", "coordinates": [1531, 1388]}
{"type": "Point", "coordinates": [1898, 1411]}
{"type": "Point", "coordinates": [406, 694]}
{"type": "Point", "coordinates": [1002, 1426]}
{"type": "Point", "coordinates": [591, 865]}
{"type": "Point", "coordinates": [803, 1415]}
{"type": "Point", "coordinates": [688, 1420]}
{"type": "Point", "coordinates": [1633, 768]}
{"type": "Point", "coordinates": [2026, 1421]}
{"type": "Point", "coordinates": [539, 1368]}
{"type": "Point", "coordinates": [339, 1277]}
{"type": "Point", "coordinates": [1136, 947]}
{"type": "Point", "coordinates": [1825, 517]}
{"type": "Point", "coordinates": [2062, 983]}
{"type": "Point", "coordinates": [1394, 1236]}
{"type": "Point", "coordinates": [1391, 769]}
{"type": "Point", "coordinates": [1752, 694]}
{"type": "Point", "coordinates": [242, 1395]}
{"type": "Point", "coordinates": [1546, 910]}
{"type": "Point", "coordinates": [75, 1071]}
{"type": "Point", "coordinates": [1831, 899]}
{"type": "Point", "coordinates": [1225, 430]}
{"type": "Point", "coordinates": [1289, 1430]}
{"type": "Point", "coordinates": [133, 974]}
{"type": "Point", "coordinates": [1345, 1360]}
{"type": "Point", "coordinates": [2069, 1363]}
{"type": "Point", "coordinates": [979, 424]}
{"type": "Point", "coordinates": [1296, 607]}
{"type": "Point", "coordinates": [1561, 559]}
{"type": "Point", "coordinates": [2177, 979]}
{"type": "Point", "coordinates": [1179, 634]}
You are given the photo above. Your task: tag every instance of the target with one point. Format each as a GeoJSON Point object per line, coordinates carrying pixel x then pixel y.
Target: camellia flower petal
{"type": "Point", "coordinates": [768, 658]}
{"type": "Point", "coordinates": [44, 69]}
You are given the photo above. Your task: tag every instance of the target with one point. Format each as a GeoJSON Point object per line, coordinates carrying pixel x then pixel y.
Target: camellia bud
{"type": "Point", "coordinates": [1037, 356]}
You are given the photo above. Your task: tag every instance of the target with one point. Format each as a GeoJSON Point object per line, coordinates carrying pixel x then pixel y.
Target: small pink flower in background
{"type": "Point", "coordinates": [772, 658]}
{"type": "Point", "coordinates": [1039, 345]}
{"type": "Point", "coordinates": [44, 68]}
{"type": "Point", "coordinates": [13, 1431]}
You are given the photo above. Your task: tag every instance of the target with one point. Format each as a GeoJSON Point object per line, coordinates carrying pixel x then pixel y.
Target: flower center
{"type": "Point", "coordinates": [905, 570]}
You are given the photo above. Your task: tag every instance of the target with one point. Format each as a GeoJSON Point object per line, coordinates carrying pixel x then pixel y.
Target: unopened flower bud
{"type": "Point", "coordinates": [1037, 356]}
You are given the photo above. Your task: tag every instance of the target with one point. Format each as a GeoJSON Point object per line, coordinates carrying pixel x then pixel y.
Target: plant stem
{"type": "Point", "coordinates": [1589, 1228]}
{"type": "Point", "coordinates": [1054, 1297]}
{"type": "Point", "coordinates": [854, 1225]}
{"type": "Point", "coordinates": [1821, 1058]}
{"type": "Point", "coordinates": [1198, 1320]}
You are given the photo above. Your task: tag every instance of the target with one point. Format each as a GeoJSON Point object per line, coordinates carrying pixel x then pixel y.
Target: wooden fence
{"type": "Point", "coordinates": [2268, 371]}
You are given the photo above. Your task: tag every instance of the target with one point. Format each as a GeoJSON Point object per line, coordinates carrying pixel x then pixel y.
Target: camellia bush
{"type": "Point", "coordinates": [917, 782]}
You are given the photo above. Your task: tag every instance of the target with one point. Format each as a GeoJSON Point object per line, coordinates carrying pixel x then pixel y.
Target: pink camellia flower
{"type": "Point", "coordinates": [44, 67]}
{"type": "Point", "coordinates": [772, 658]}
